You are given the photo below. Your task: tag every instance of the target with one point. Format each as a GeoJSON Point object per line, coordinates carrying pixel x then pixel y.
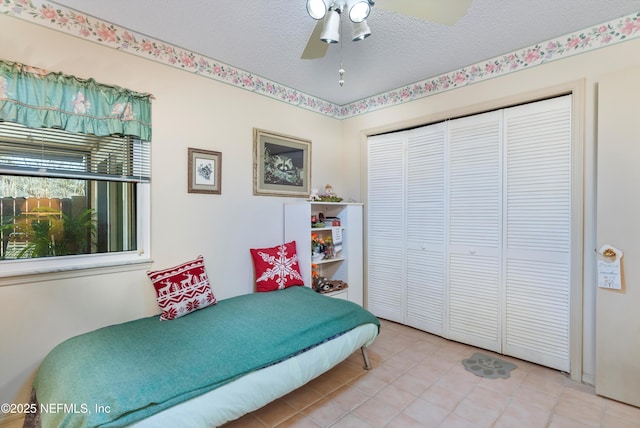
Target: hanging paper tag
{"type": "Point", "coordinates": [609, 271]}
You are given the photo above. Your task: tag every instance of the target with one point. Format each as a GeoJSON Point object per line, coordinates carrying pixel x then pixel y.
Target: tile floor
{"type": "Point", "coordinates": [418, 380]}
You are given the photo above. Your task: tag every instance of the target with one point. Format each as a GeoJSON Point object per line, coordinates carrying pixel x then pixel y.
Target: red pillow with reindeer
{"type": "Point", "coordinates": [182, 289]}
{"type": "Point", "coordinates": [277, 267]}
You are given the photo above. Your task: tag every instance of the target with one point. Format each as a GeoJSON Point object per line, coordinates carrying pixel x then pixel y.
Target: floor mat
{"type": "Point", "coordinates": [488, 367]}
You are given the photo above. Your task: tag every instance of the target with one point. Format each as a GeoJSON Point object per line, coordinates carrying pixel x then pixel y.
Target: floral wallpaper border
{"type": "Point", "coordinates": [87, 27]}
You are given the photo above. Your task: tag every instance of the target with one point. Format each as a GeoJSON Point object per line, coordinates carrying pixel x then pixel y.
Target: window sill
{"type": "Point", "coordinates": [30, 271]}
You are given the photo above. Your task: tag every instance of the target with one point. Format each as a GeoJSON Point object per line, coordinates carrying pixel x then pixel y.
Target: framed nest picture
{"type": "Point", "coordinates": [281, 165]}
{"type": "Point", "coordinates": [205, 171]}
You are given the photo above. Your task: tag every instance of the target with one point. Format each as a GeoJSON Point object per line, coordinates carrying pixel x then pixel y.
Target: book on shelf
{"type": "Point", "coordinates": [332, 221]}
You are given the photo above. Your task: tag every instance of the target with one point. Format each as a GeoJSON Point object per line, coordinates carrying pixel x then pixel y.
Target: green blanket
{"type": "Point", "coordinates": [123, 373]}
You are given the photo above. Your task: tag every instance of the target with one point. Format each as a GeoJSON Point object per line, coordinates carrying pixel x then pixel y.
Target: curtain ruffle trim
{"type": "Point", "coordinates": [37, 98]}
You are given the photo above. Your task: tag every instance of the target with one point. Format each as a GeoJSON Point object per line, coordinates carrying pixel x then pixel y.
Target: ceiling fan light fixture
{"type": "Point", "coordinates": [331, 30]}
{"type": "Point", "coordinates": [317, 9]}
{"type": "Point", "coordinates": [359, 11]}
{"type": "Point", "coordinates": [360, 31]}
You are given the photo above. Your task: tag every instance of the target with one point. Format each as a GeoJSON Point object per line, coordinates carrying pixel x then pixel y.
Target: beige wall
{"type": "Point", "coordinates": [192, 111]}
{"type": "Point", "coordinates": [188, 111]}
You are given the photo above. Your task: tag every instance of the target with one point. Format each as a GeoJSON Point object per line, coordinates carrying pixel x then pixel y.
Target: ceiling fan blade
{"type": "Point", "coordinates": [315, 48]}
{"type": "Point", "coordinates": [446, 12]}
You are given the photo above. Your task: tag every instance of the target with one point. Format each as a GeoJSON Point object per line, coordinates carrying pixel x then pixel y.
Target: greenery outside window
{"type": "Point", "coordinates": [71, 200]}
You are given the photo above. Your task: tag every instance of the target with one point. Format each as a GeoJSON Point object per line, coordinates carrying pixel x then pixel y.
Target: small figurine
{"type": "Point", "coordinates": [314, 195]}
{"type": "Point", "coordinates": [329, 195]}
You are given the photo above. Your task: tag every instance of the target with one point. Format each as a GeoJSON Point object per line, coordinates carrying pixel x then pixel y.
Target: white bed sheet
{"type": "Point", "coordinates": [254, 390]}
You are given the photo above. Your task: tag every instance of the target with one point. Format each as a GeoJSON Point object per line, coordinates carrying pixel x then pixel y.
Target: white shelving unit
{"type": "Point", "coordinates": [347, 266]}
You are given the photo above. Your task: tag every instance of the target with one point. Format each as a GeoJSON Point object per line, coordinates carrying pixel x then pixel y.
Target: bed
{"type": "Point", "coordinates": [204, 369]}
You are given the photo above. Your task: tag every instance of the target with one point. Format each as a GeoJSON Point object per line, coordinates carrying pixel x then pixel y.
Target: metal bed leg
{"type": "Point", "coordinates": [365, 356]}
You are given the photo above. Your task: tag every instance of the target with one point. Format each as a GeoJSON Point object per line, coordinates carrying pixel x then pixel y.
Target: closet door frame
{"type": "Point", "coordinates": [579, 255]}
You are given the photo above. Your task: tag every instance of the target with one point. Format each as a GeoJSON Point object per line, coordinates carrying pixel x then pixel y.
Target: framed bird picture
{"type": "Point", "coordinates": [205, 171]}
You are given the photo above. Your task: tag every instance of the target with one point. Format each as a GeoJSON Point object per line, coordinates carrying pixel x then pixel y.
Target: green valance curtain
{"type": "Point", "coordinates": [37, 98]}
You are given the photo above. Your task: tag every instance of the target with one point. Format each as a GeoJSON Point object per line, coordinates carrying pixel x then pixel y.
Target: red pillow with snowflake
{"type": "Point", "coordinates": [182, 289]}
{"type": "Point", "coordinates": [277, 267]}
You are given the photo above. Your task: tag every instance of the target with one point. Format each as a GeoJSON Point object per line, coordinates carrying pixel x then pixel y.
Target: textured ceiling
{"type": "Point", "coordinates": [267, 37]}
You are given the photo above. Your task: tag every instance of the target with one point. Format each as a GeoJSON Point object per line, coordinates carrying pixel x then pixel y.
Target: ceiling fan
{"type": "Point", "coordinates": [327, 13]}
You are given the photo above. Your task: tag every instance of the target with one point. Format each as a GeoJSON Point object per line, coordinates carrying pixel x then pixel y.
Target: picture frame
{"type": "Point", "coordinates": [281, 165]}
{"type": "Point", "coordinates": [205, 171]}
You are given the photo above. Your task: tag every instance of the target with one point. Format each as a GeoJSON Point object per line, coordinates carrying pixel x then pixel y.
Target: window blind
{"type": "Point", "coordinates": [47, 152]}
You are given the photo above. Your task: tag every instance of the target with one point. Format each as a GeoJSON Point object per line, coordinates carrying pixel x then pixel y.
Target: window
{"type": "Point", "coordinates": [71, 200]}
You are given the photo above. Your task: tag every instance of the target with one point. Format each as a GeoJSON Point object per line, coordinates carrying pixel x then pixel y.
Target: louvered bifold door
{"type": "Point", "coordinates": [475, 230]}
{"type": "Point", "coordinates": [385, 226]}
{"type": "Point", "coordinates": [537, 211]}
{"type": "Point", "coordinates": [426, 228]}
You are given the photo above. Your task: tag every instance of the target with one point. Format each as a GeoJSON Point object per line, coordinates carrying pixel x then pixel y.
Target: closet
{"type": "Point", "coordinates": [469, 229]}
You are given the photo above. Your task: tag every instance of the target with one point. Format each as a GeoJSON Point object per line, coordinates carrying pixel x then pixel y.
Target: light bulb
{"type": "Point", "coordinates": [316, 8]}
{"type": "Point", "coordinates": [359, 11]}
